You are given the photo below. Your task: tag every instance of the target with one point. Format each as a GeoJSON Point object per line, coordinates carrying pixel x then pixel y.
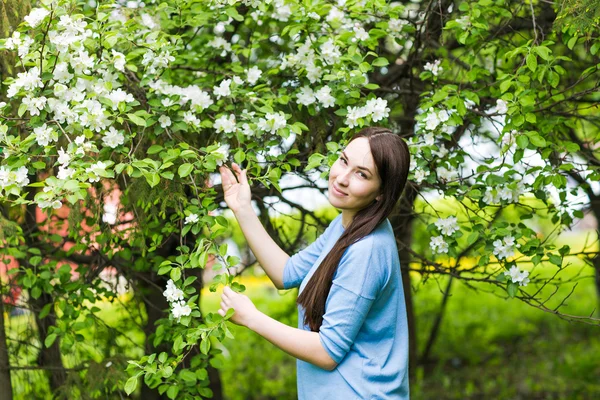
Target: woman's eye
{"type": "Point", "coordinates": [363, 175]}
{"type": "Point", "coordinates": [343, 160]}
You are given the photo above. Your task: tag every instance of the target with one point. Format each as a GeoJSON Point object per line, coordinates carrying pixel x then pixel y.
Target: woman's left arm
{"type": "Point", "coordinates": [304, 345]}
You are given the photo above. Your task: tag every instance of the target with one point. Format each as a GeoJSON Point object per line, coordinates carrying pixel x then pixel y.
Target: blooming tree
{"type": "Point", "coordinates": [147, 99]}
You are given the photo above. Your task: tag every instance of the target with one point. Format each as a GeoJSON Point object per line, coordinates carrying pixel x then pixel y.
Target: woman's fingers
{"type": "Point", "coordinates": [227, 177]}
{"type": "Point", "coordinates": [241, 174]}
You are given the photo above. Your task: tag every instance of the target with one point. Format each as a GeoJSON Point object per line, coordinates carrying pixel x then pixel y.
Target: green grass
{"type": "Point", "coordinates": [489, 346]}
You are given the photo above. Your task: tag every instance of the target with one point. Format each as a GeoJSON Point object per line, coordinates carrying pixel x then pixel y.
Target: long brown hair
{"type": "Point", "coordinates": [392, 159]}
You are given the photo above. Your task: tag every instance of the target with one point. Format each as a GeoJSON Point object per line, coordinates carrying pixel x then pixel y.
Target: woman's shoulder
{"type": "Point", "coordinates": [381, 239]}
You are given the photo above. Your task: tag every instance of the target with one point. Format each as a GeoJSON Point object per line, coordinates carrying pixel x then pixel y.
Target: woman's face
{"type": "Point", "coordinates": [354, 180]}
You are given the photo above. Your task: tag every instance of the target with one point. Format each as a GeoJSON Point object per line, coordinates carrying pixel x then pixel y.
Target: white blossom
{"type": "Point", "coordinates": [222, 153]}
{"type": "Point", "coordinates": [190, 118]}
{"type": "Point", "coordinates": [119, 95]}
{"type": "Point", "coordinates": [164, 121]}
{"type": "Point", "coordinates": [180, 309]}
{"type": "Point", "coordinates": [378, 109]}
{"type": "Point", "coordinates": [18, 177]}
{"type": "Point", "coordinates": [225, 123]}
{"type": "Point", "coordinates": [148, 20]}
{"type": "Point", "coordinates": [119, 60]}
{"type": "Point", "coordinates": [447, 226]}
{"type": "Point", "coordinates": [253, 74]}
{"type": "Point", "coordinates": [501, 107]}
{"type": "Point", "coordinates": [360, 33]}
{"type": "Point", "coordinates": [191, 219]}
{"type": "Point", "coordinates": [28, 80]}
{"type": "Point", "coordinates": [438, 245]}
{"type": "Point", "coordinates": [306, 96]}
{"type": "Point", "coordinates": [282, 11]}
{"type": "Point", "coordinates": [34, 104]}
{"type": "Point", "coordinates": [36, 16]}
{"type": "Point", "coordinates": [434, 68]}
{"type": "Point", "coordinates": [504, 248]}
{"type": "Point", "coordinates": [223, 89]}
{"type": "Point", "coordinates": [446, 174]}
{"type": "Point", "coordinates": [110, 214]}
{"type": "Point", "coordinates": [420, 175]}
{"type": "Point", "coordinates": [64, 158]}
{"type": "Point", "coordinates": [96, 170]}
{"type": "Point", "coordinates": [56, 204]}
{"type": "Point", "coordinates": [61, 72]}
{"type": "Point", "coordinates": [82, 63]}
{"type": "Point", "coordinates": [443, 115]}
{"type": "Point", "coordinates": [464, 21]}
{"type": "Point", "coordinates": [354, 114]}
{"type": "Point", "coordinates": [431, 120]}
{"type": "Point", "coordinates": [272, 122]}
{"type": "Point", "coordinates": [113, 138]}
{"type": "Point", "coordinates": [21, 44]}
{"type": "Point", "coordinates": [396, 25]}
{"type": "Point", "coordinates": [172, 293]}
{"type": "Point", "coordinates": [65, 172]}
{"type": "Point", "coordinates": [517, 276]}
{"type": "Point", "coordinates": [335, 14]}
{"type": "Point", "coordinates": [247, 130]}
{"type": "Point", "coordinates": [44, 135]}
{"type": "Point", "coordinates": [324, 96]}
{"type": "Point", "coordinates": [330, 52]}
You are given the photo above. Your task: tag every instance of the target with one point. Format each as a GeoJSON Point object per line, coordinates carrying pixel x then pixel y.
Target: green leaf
{"type": "Point", "coordinates": [239, 156]}
{"type": "Point", "coordinates": [164, 270]}
{"type": "Point", "coordinates": [512, 289]}
{"type": "Point", "coordinates": [175, 274]}
{"type": "Point", "coordinates": [522, 141]}
{"type": "Point", "coordinates": [537, 140]}
{"type": "Point", "coordinates": [571, 43]}
{"type": "Point", "coordinates": [155, 148]}
{"type": "Point", "coordinates": [380, 62]}
{"type": "Point", "coordinates": [131, 384]}
{"type": "Point", "coordinates": [185, 169]}
{"type": "Point", "coordinates": [50, 339]}
{"type": "Point", "coordinates": [505, 85]}
{"type": "Point", "coordinates": [45, 311]}
{"type": "Point", "coordinates": [531, 62]}
{"type": "Point", "coordinates": [205, 346]}
{"type": "Point", "coordinates": [543, 52]}
{"type": "Point", "coordinates": [556, 260]}
{"type": "Point", "coordinates": [137, 120]}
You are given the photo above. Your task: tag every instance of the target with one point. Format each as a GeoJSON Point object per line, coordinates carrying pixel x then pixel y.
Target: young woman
{"type": "Point", "coordinates": [352, 336]}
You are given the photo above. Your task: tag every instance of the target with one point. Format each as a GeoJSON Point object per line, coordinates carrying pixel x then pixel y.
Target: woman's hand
{"type": "Point", "coordinates": [244, 309]}
{"type": "Point", "coordinates": [237, 192]}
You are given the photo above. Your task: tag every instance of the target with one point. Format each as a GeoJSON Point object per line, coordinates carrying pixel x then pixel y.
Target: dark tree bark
{"type": "Point", "coordinates": [402, 223]}
{"type": "Point", "coordinates": [5, 382]}
{"type": "Point", "coordinates": [49, 357]}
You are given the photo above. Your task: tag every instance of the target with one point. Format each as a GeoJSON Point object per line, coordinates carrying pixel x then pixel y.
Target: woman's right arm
{"type": "Point", "coordinates": [237, 196]}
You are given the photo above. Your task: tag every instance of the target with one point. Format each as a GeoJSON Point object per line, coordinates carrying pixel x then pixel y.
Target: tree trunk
{"type": "Point", "coordinates": [595, 206]}
{"type": "Point", "coordinates": [155, 304]}
{"type": "Point", "coordinates": [5, 382]}
{"type": "Point", "coordinates": [402, 223]}
{"type": "Point", "coordinates": [49, 356]}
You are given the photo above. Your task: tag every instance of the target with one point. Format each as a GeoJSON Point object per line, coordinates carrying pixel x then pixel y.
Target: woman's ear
{"type": "Point", "coordinates": [378, 198]}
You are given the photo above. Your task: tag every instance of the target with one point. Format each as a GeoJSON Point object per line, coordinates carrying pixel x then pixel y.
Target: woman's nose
{"type": "Point", "coordinates": [342, 178]}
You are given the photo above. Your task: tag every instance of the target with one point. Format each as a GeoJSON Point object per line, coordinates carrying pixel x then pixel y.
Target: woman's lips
{"type": "Point", "coordinates": [337, 192]}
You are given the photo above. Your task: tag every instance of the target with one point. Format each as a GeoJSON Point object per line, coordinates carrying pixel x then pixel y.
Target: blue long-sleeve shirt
{"type": "Point", "coordinates": [364, 328]}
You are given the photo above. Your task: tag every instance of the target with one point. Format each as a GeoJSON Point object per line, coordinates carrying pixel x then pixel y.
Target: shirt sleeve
{"type": "Point", "coordinates": [359, 279]}
{"type": "Point", "coordinates": [298, 265]}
